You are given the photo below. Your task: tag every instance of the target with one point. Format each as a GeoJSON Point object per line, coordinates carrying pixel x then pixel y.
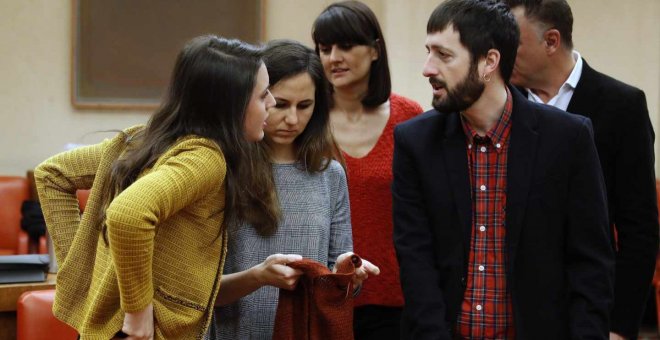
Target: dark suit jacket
{"type": "Point", "coordinates": [624, 139]}
{"type": "Point", "coordinates": [560, 259]}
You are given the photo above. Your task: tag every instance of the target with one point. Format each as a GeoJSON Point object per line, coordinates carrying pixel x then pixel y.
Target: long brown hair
{"type": "Point", "coordinates": [315, 146]}
{"type": "Point", "coordinates": [210, 88]}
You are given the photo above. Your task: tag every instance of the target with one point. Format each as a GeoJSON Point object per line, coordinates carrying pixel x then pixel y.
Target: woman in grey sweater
{"type": "Point", "coordinates": [313, 195]}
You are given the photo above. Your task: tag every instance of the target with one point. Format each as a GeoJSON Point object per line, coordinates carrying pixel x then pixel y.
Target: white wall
{"type": "Point", "coordinates": [621, 38]}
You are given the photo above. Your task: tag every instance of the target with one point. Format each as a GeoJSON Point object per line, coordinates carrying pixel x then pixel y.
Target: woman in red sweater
{"type": "Point", "coordinates": [363, 114]}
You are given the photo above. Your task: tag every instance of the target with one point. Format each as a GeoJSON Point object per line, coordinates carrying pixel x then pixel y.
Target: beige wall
{"type": "Point", "coordinates": [621, 38]}
{"type": "Point", "coordinates": [37, 117]}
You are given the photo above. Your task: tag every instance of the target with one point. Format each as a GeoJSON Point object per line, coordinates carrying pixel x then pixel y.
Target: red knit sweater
{"type": "Point", "coordinates": [369, 181]}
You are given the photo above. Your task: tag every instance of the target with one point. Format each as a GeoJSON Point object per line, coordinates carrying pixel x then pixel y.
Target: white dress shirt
{"type": "Point", "coordinates": [566, 90]}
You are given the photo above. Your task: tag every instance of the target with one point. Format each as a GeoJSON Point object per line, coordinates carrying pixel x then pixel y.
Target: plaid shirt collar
{"type": "Point", "coordinates": [499, 134]}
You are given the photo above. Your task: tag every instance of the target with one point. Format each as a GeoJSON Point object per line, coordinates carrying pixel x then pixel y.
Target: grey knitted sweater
{"type": "Point", "coordinates": [315, 224]}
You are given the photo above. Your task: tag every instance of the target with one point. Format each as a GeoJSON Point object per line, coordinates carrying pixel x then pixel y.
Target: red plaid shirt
{"type": "Point", "coordinates": [486, 312]}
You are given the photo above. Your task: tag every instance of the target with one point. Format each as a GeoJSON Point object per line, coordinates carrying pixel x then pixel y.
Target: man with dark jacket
{"type": "Point", "coordinates": [550, 71]}
{"type": "Point", "coordinates": [500, 214]}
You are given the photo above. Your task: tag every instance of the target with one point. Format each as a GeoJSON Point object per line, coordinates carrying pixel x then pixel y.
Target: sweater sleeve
{"type": "Point", "coordinates": [341, 239]}
{"type": "Point", "coordinates": [57, 180]}
{"type": "Point", "coordinates": [183, 175]}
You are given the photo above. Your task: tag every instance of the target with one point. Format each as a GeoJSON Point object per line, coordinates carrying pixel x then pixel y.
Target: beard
{"type": "Point", "coordinates": [461, 96]}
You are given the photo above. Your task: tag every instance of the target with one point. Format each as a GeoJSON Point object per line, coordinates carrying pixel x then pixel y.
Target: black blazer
{"type": "Point", "coordinates": [560, 259]}
{"type": "Point", "coordinates": [624, 139]}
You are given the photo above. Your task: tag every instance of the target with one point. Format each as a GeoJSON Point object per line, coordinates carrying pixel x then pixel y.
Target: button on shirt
{"type": "Point", "coordinates": [486, 311]}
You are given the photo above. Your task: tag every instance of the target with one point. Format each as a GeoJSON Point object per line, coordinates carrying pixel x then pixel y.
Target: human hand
{"type": "Point", "coordinates": [275, 272]}
{"type": "Point", "coordinates": [615, 336]}
{"type": "Point", "coordinates": [139, 325]}
{"type": "Point", "coordinates": [361, 273]}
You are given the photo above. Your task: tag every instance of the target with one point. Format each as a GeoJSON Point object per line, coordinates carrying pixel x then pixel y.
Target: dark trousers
{"type": "Point", "coordinates": [377, 323]}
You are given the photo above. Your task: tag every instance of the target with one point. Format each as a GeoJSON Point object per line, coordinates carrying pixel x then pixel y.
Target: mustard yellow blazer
{"type": "Point", "coordinates": [164, 233]}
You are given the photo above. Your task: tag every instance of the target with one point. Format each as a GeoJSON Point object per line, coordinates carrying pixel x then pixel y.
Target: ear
{"type": "Point", "coordinates": [552, 40]}
{"type": "Point", "coordinates": [374, 50]}
{"type": "Point", "coordinates": [491, 61]}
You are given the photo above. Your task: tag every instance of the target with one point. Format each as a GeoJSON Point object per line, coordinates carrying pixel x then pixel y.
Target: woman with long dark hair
{"type": "Point", "coordinates": [146, 257]}
{"type": "Point", "coordinates": [363, 114]}
{"type": "Point", "coordinates": [311, 188]}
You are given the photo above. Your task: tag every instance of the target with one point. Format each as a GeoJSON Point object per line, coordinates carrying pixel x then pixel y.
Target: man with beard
{"type": "Point", "coordinates": [500, 213]}
{"type": "Point", "coordinates": [550, 71]}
